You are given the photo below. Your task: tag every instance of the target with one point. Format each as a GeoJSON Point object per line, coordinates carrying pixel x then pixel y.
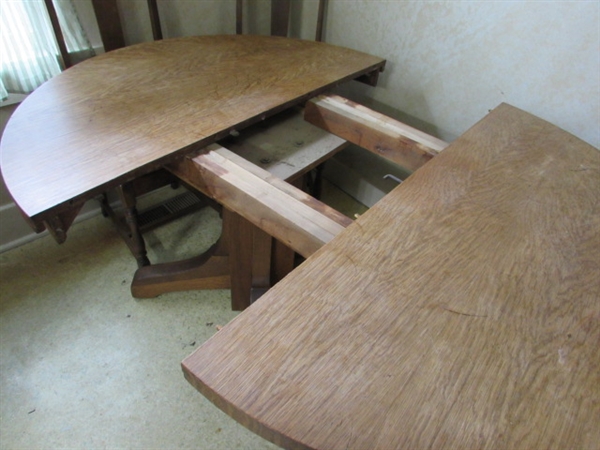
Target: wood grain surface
{"type": "Point", "coordinates": [129, 111]}
{"type": "Point", "coordinates": [285, 212]}
{"type": "Point", "coordinates": [373, 131]}
{"type": "Point", "coordinates": [461, 311]}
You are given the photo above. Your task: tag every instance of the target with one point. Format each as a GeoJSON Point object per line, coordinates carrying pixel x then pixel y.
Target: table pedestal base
{"type": "Point", "coordinates": [245, 259]}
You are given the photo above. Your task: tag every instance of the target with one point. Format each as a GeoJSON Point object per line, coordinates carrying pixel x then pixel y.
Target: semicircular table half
{"type": "Point", "coordinates": [122, 115]}
{"type": "Point", "coordinates": [461, 311]}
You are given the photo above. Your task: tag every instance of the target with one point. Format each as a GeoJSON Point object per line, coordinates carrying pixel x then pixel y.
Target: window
{"type": "Point", "coordinates": [29, 54]}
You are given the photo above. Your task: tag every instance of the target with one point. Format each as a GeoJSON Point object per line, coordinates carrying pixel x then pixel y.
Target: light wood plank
{"type": "Point", "coordinates": [382, 135]}
{"type": "Point", "coordinates": [461, 311]}
{"type": "Point", "coordinates": [285, 145]}
{"type": "Point", "coordinates": [283, 211]}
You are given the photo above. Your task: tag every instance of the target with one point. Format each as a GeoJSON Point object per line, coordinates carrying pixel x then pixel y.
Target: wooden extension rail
{"type": "Point", "coordinates": [288, 214]}
{"type": "Point", "coordinates": [380, 134]}
{"type": "Point", "coordinates": [253, 195]}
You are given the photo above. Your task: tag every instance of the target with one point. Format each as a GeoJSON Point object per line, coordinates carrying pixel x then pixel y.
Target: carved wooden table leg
{"type": "Point", "coordinates": [133, 237]}
{"type": "Point", "coordinates": [127, 225]}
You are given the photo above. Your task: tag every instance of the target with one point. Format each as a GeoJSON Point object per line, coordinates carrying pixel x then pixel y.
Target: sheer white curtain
{"type": "Point", "coordinates": [29, 54]}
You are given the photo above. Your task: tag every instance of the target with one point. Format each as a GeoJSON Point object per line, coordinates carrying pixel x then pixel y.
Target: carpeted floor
{"type": "Point", "coordinates": [85, 365]}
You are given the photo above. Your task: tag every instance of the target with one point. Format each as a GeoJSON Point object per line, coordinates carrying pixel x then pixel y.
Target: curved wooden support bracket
{"type": "Point", "coordinates": [207, 271]}
{"type": "Point", "coordinates": [58, 224]}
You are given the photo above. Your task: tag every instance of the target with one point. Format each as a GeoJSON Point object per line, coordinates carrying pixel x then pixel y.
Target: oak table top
{"type": "Point", "coordinates": [125, 113]}
{"type": "Point", "coordinates": [461, 311]}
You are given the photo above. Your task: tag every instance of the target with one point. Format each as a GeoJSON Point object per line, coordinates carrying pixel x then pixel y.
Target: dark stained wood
{"type": "Point", "coordinates": [211, 270]}
{"type": "Point", "coordinates": [280, 17]}
{"type": "Point", "coordinates": [109, 24]}
{"type": "Point", "coordinates": [60, 39]}
{"type": "Point", "coordinates": [283, 261]}
{"type": "Point", "coordinates": [382, 135]}
{"type": "Point", "coordinates": [320, 20]}
{"type": "Point", "coordinates": [107, 120]}
{"type": "Point", "coordinates": [239, 16]}
{"type": "Point", "coordinates": [240, 244]}
{"type": "Point", "coordinates": [154, 20]}
{"type": "Point", "coordinates": [261, 259]}
{"type": "Point", "coordinates": [58, 224]}
{"type": "Point", "coordinates": [370, 78]}
{"type": "Point", "coordinates": [133, 236]}
{"type": "Point", "coordinates": [461, 311]}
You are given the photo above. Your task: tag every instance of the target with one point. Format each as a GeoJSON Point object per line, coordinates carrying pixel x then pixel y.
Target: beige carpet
{"type": "Point", "coordinates": [85, 365]}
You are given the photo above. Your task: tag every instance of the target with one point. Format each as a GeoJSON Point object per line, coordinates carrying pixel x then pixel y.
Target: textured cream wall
{"type": "Point", "coordinates": [450, 62]}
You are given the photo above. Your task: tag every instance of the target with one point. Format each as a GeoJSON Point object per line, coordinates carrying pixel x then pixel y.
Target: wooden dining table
{"type": "Point", "coordinates": [461, 311]}
{"type": "Point", "coordinates": [122, 115]}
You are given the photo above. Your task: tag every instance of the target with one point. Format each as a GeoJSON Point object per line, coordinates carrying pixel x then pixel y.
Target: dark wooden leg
{"type": "Point", "coordinates": [133, 237]}
{"type": "Point", "coordinates": [280, 16]}
{"type": "Point", "coordinates": [240, 239]}
{"type": "Point", "coordinates": [282, 261]}
{"type": "Point", "coordinates": [261, 263]}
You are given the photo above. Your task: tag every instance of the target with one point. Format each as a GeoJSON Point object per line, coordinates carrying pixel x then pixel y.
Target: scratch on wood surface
{"type": "Point", "coordinates": [359, 226]}
{"type": "Point", "coordinates": [462, 313]}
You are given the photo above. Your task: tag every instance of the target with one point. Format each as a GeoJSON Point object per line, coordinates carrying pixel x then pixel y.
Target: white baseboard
{"type": "Point", "coordinates": [14, 231]}
{"type": "Point", "coordinates": [360, 174]}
